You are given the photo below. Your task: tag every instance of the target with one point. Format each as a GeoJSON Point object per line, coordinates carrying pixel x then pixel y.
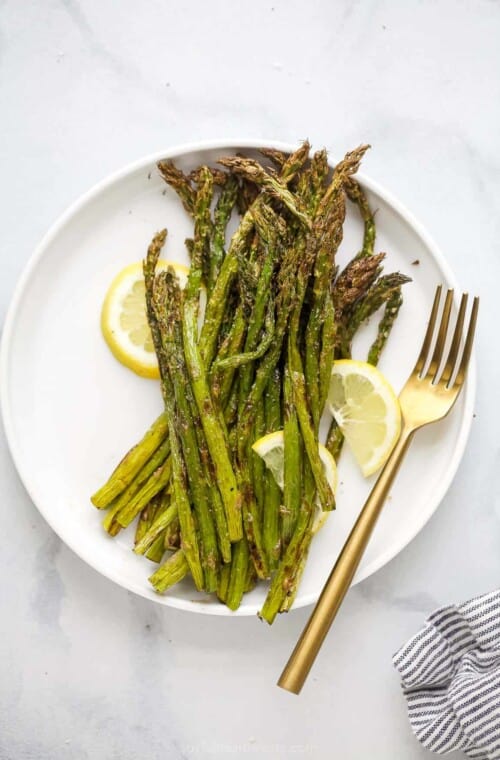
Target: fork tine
{"type": "Point", "coordinates": [455, 343]}
{"type": "Point", "coordinates": [441, 337]}
{"type": "Point", "coordinates": [468, 344]}
{"type": "Point", "coordinates": [428, 335]}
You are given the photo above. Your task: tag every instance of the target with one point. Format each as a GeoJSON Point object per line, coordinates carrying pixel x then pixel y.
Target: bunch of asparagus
{"type": "Point", "coordinates": [278, 312]}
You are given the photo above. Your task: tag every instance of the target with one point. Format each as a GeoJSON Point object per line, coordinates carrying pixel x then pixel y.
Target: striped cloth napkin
{"type": "Point", "coordinates": [450, 672]}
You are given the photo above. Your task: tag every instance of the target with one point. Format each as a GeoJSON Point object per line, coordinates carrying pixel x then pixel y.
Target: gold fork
{"type": "Point", "coordinates": [428, 395]}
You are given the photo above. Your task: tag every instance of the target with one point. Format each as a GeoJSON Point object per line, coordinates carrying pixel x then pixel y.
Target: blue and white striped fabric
{"type": "Point", "coordinates": [450, 673]}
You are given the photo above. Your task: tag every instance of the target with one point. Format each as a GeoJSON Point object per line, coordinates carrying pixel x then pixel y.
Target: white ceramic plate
{"type": "Point", "coordinates": [71, 411]}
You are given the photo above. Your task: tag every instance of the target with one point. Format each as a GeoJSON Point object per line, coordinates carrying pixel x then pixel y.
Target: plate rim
{"type": "Point", "coordinates": [71, 211]}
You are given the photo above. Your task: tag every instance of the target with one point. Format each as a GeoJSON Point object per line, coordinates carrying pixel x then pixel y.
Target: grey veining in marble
{"type": "Point", "coordinates": [89, 671]}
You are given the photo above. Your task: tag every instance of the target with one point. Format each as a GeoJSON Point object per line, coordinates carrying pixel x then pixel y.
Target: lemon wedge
{"type": "Point", "coordinates": [124, 323]}
{"type": "Point", "coordinates": [271, 448]}
{"type": "Point", "coordinates": [367, 411]}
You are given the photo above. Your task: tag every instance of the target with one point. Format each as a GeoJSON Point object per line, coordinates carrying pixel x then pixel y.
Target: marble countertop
{"type": "Point", "coordinates": [87, 670]}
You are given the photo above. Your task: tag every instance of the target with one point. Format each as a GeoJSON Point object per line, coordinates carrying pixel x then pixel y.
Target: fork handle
{"type": "Point", "coordinates": [335, 589]}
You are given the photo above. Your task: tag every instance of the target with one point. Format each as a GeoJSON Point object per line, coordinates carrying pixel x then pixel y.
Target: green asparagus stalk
{"type": "Point", "coordinates": [239, 570]}
{"type": "Point", "coordinates": [250, 580]}
{"type": "Point", "coordinates": [180, 183]}
{"type": "Point", "coordinates": [247, 195]}
{"type": "Point", "coordinates": [375, 297]}
{"type": "Point", "coordinates": [254, 172]}
{"type": "Point", "coordinates": [385, 326]}
{"type": "Point", "coordinates": [282, 582]}
{"type": "Point", "coordinates": [356, 194]}
{"type": "Point", "coordinates": [215, 498]}
{"type": "Point", "coordinates": [257, 463]}
{"type": "Point", "coordinates": [224, 578]}
{"type": "Point", "coordinates": [219, 177]}
{"type": "Point", "coordinates": [328, 340]}
{"type": "Point", "coordinates": [111, 525]}
{"type": "Point", "coordinates": [158, 480]}
{"type": "Point", "coordinates": [166, 301]}
{"type": "Point", "coordinates": [222, 214]}
{"type": "Point", "coordinates": [179, 476]}
{"type": "Point", "coordinates": [216, 305]}
{"type": "Point", "coordinates": [234, 361]}
{"type": "Point", "coordinates": [145, 520]}
{"type": "Point", "coordinates": [353, 282]}
{"type": "Point", "coordinates": [221, 382]}
{"type": "Point", "coordinates": [171, 572]}
{"type": "Point", "coordinates": [157, 529]}
{"type": "Point", "coordinates": [215, 435]}
{"type": "Point", "coordinates": [131, 464]}
{"type": "Point", "coordinates": [277, 157]}
{"type": "Point", "coordinates": [270, 229]}
{"type": "Point", "coordinates": [324, 266]}
{"type": "Point", "coordinates": [325, 494]}
{"type": "Point", "coordinates": [292, 491]}
{"type": "Point", "coordinates": [334, 440]}
{"type": "Point", "coordinates": [272, 493]}
{"type": "Point", "coordinates": [156, 550]}
{"type": "Point", "coordinates": [172, 536]}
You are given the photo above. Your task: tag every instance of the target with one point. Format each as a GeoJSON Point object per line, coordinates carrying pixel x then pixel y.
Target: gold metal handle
{"type": "Point", "coordinates": [335, 589]}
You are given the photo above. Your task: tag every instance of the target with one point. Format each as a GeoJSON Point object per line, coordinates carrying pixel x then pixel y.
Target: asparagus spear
{"type": "Point", "coordinates": [354, 281]}
{"type": "Point", "coordinates": [292, 490]}
{"type": "Point", "coordinates": [246, 357]}
{"type": "Point", "coordinates": [222, 381]}
{"type": "Point", "coordinates": [250, 580]}
{"type": "Point", "coordinates": [180, 183]}
{"type": "Point", "coordinates": [166, 301]}
{"type": "Point", "coordinates": [247, 195]}
{"type": "Point", "coordinates": [325, 493]}
{"type": "Point", "coordinates": [253, 171]}
{"type": "Point", "coordinates": [332, 231]}
{"type": "Point", "coordinates": [158, 480]}
{"type": "Point", "coordinates": [375, 297]}
{"type": "Point", "coordinates": [334, 440]}
{"type": "Point", "coordinates": [172, 535]}
{"type": "Point", "coordinates": [222, 214]}
{"type": "Point", "coordinates": [270, 229]}
{"type": "Point", "coordinates": [145, 519]}
{"type": "Point", "coordinates": [171, 572]}
{"type": "Point", "coordinates": [239, 570]}
{"type": "Point", "coordinates": [224, 578]}
{"type": "Point", "coordinates": [131, 464]}
{"type": "Point", "coordinates": [179, 475]}
{"type": "Point", "coordinates": [257, 463]}
{"type": "Point", "coordinates": [110, 524]}
{"type": "Point", "coordinates": [277, 157]}
{"type": "Point", "coordinates": [272, 494]}
{"type": "Point", "coordinates": [282, 581]}
{"type": "Point", "coordinates": [391, 311]}
{"type": "Point", "coordinates": [219, 177]}
{"type": "Point", "coordinates": [215, 435]}
{"type": "Point", "coordinates": [156, 529]}
{"type": "Point", "coordinates": [356, 194]}
{"type": "Point", "coordinates": [328, 339]}
{"type": "Point", "coordinates": [156, 550]}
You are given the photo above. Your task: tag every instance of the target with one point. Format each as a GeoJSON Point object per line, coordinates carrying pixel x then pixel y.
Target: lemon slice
{"type": "Point", "coordinates": [367, 411]}
{"type": "Point", "coordinates": [271, 448]}
{"type": "Point", "coordinates": [124, 323]}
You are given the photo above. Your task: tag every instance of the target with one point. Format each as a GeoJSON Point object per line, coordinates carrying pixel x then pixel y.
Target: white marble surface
{"type": "Point", "coordinates": [88, 671]}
